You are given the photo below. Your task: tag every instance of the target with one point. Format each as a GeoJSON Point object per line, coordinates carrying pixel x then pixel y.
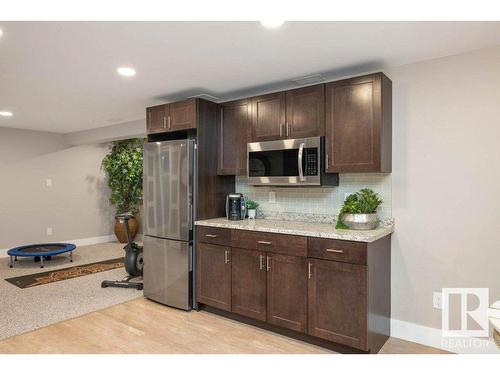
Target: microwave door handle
{"type": "Point", "coordinates": [301, 153]}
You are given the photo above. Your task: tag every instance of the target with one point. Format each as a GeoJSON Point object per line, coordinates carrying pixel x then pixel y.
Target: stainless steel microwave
{"type": "Point", "coordinates": [289, 162]}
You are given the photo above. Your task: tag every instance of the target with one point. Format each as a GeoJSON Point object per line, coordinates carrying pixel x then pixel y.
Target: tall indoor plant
{"type": "Point", "coordinates": [123, 166]}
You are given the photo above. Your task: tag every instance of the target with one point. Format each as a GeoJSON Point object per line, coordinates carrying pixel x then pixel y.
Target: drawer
{"type": "Point", "coordinates": [338, 250]}
{"type": "Point", "coordinates": [216, 236]}
{"type": "Point", "coordinates": [263, 241]}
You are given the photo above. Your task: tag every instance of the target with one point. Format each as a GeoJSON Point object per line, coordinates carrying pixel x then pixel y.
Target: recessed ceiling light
{"type": "Point", "coordinates": [5, 113]}
{"type": "Point", "coordinates": [272, 23]}
{"type": "Point", "coordinates": [126, 71]}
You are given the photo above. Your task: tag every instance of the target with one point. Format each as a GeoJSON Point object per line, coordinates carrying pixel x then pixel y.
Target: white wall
{"type": "Point", "coordinates": [75, 206]}
{"type": "Point", "coordinates": [446, 181]}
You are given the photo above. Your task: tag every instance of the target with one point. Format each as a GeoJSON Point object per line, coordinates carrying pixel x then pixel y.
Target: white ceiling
{"type": "Point", "coordinates": [61, 76]}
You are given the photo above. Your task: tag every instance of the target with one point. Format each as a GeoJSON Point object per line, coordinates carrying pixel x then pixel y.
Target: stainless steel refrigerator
{"type": "Point", "coordinates": [168, 231]}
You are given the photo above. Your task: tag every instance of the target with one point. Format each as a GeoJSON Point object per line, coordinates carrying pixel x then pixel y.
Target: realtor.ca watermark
{"type": "Point", "coordinates": [465, 324]}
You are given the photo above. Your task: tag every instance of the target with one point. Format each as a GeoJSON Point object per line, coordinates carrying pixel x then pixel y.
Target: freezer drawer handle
{"type": "Point", "coordinates": [211, 235]}
{"type": "Point", "coordinates": [226, 256]}
{"type": "Point", "coordinates": [334, 251]}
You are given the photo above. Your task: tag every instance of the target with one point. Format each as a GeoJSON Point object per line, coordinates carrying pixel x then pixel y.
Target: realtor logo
{"type": "Point", "coordinates": [471, 312]}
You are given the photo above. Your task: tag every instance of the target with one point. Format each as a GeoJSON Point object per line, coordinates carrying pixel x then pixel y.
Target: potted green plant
{"type": "Point", "coordinates": [123, 167]}
{"type": "Point", "coordinates": [359, 211]}
{"type": "Point", "coordinates": [251, 208]}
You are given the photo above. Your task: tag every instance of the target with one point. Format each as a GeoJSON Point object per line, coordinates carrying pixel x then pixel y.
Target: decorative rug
{"type": "Point", "coordinates": [28, 281]}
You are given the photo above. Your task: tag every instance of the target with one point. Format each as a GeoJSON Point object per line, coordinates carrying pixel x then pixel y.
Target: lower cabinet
{"type": "Point", "coordinates": [338, 302]}
{"type": "Point", "coordinates": [213, 275]}
{"type": "Point", "coordinates": [334, 290]}
{"type": "Point", "coordinates": [287, 292]}
{"type": "Point", "coordinates": [248, 283]}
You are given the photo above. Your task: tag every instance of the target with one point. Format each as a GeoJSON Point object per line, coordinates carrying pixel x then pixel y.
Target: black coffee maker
{"type": "Point", "coordinates": [236, 208]}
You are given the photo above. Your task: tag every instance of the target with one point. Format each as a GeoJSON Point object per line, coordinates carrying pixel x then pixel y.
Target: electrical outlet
{"type": "Point", "coordinates": [49, 231]}
{"type": "Point", "coordinates": [48, 182]}
{"type": "Point", "coordinates": [272, 197]}
{"type": "Point", "coordinates": [437, 300]}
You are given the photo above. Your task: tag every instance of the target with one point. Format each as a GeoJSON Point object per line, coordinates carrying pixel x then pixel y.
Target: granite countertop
{"type": "Point", "coordinates": [308, 229]}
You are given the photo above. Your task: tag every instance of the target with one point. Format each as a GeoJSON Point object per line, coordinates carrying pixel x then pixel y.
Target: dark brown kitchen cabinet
{"type": "Point", "coordinates": [338, 302]}
{"type": "Point", "coordinates": [182, 115]}
{"type": "Point", "coordinates": [268, 117]}
{"type": "Point", "coordinates": [358, 124]}
{"type": "Point", "coordinates": [232, 135]}
{"type": "Point", "coordinates": [248, 269]}
{"type": "Point", "coordinates": [156, 118]}
{"type": "Point", "coordinates": [305, 112]}
{"type": "Point", "coordinates": [287, 291]}
{"type": "Point", "coordinates": [213, 275]}
{"type": "Point", "coordinates": [172, 117]}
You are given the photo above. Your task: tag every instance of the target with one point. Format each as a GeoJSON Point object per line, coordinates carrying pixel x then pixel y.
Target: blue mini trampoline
{"type": "Point", "coordinates": [41, 251]}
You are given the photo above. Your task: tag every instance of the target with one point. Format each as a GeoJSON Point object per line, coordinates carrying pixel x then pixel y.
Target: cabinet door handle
{"type": "Point", "coordinates": [211, 235]}
{"type": "Point", "coordinates": [334, 251]}
{"type": "Point", "coordinates": [149, 122]}
{"type": "Point", "coordinates": [164, 122]}
{"type": "Point", "coordinates": [226, 256]}
{"type": "Point", "coordinates": [326, 161]}
{"type": "Point", "coordinates": [268, 263]}
{"type": "Point", "coordinates": [265, 242]}
{"type": "Point", "coordinates": [287, 129]}
{"type": "Point", "coordinates": [261, 262]}
{"type": "Point", "coordinates": [169, 122]}
{"type": "Point", "coordinates": [309, 270]}
{"type": "Point", "coordinates": [281, 130]}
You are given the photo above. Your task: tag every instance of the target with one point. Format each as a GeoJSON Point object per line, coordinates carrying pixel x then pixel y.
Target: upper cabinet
{"type": "Point", "coordinates": [305, 112]}
{"type": "Point", "coordinates": [156, 118]}
{"type": "Point", "coordinates": [288, 114]}
{"type": "Point", "coordinates": [268, 117]}
{"type": "Point", "coordinates": [171, 117]}
{"type": "Point", "coordinates": [359, 124]}
{"type": "Point", "coordinates": [183, 115]}
{"type": "Point", "coordinates": [233, 131]}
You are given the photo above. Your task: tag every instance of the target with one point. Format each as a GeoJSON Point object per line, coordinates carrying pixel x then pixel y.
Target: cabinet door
{"type": "Point", "coordinates": [305, 112]}
{"type": "Point", "coordinates": [287, 292]}
{"type": "Point", "coordinates": [354, 125]}
{"type": "Point", "coordinates": [156, 118]}
{"type": "Point", "coordinates": [182, 115]}
{"type": "Point", "coordinates": [213, 275]}
{"type": "Point", "coordinates": [248, 280]}
{"type": "Point", "coordinates": [233, 137]}
{"type": "Point", "coordinates": [268, 117]}
{"type": "Point", "coordinates": [337, 301]}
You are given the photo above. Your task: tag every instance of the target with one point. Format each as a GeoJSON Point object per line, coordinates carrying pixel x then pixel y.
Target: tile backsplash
{"type": "Point", "coordinates": [323, 203]}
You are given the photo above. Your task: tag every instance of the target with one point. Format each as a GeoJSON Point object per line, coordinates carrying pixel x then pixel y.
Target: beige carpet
{"type": "Point", "coordinates": [23, 310]}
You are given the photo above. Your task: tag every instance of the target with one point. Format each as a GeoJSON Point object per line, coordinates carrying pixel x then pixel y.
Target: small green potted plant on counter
{"type": "Point", "coordinates": [359, 211]}
{"type": "Point", "coordinates": [252, 209]}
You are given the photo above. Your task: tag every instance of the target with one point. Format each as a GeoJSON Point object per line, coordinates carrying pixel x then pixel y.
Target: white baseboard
{"type": "Point", "coordinates": [78, 242]}
{"type": "Point", "coordinates": [433, 337]}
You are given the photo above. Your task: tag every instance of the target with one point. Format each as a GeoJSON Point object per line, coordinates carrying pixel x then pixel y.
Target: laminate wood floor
{"type": "Point", "coordinates": [143, 326]}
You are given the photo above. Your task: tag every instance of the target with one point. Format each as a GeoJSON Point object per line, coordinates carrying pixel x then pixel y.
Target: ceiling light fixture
{"type": "Point", "coordinates": [126, 71]}
{"type": "Point", "coordinates": [5, 113]}
{"type": "Point", "coordinates": [272, 23]}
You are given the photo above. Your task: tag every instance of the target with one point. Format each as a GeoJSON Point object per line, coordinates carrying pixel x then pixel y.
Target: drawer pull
{"type": "Point", "coordinates": [334, 251]}
{"type": "Point", "coordinates": [211, 235]}
{"type": "Point", "coordinates": [265, 242]}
